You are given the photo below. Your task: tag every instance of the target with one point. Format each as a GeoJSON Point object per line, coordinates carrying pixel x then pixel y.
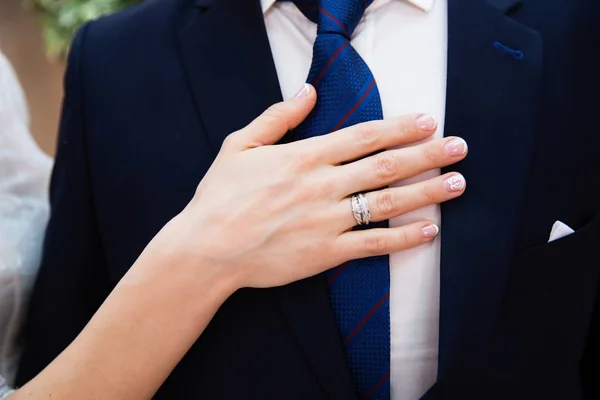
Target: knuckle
{"type": "Point", "coordinates": [367, 134]}
{"type": "Point", "coordinates": [305, 160]}
{"type": "Point", "coordinates": [301, 192]}
{"type": "Point", "coordinates": [405, 125]}
{"type": "Point", "coordinates": [333, 188]}
{"type": "Point", "coordinates": [275, 111]}
{"type": "Point", "coordinates": [428, 193]}
{"type": "Point", "coordinates": [376, 244]}
{"type": "Point", "coordinates": [276, 116]}
{"type": "Point", "coordinates": [407, 129]}
{"type": "Point", "coordinates": [308, 189]}
{"type": "Point", "coordinates": [387, 165]}
{"type": "Point", "coordinates": [386, 202]}
{"type": "Point", "coordinates": [404, 239]}
{"type": "Point", "coordinates": [230, 141]}
{"type": "Point", "coordinates": [429, 153]}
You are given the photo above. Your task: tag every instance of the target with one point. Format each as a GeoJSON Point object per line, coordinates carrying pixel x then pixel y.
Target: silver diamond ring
{"type": "Point", "coordinates": [360, 209]}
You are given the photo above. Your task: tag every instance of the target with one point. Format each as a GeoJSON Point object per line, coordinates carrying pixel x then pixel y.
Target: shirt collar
{"type": "Point", "coordinates": [424, 5]}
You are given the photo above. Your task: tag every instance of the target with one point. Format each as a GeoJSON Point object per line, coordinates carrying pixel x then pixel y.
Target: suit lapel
{"type": "Point", "coordinates": [227, 58]}
{"type": "Point", "coordinates": [492, 95]}
{"type": "Point", "coordinates": [491, 102]}
{"type": "Point", "coordinates": [230, 68]}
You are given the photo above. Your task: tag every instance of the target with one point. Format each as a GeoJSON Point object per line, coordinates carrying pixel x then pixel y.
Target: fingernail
{"type": "Point", "coordinates": [303, 92]}
{"type": "Point", "coordinates": [430, 231]}
{"type": "Point", "coordinates": [456, 147]}
{"type": "Point", "coordinates": [426, 122]}
{"type": "Point", "coordinates": [455, 183]}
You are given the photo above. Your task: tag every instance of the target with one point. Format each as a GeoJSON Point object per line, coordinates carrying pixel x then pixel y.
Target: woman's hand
{"type": "Point", "coordinates": [264, 215]}
{"type": "Point", "coordinates": [272, 214]}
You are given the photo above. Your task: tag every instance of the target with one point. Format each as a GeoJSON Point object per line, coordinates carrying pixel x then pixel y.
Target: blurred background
{"type": "Point", "coordinates": [22, 42]}
{"type": "Point", "coordinates": [35, 36]}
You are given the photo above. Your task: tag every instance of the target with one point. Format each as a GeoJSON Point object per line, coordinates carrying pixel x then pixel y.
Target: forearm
{"type": "Point", "coordinates": [139, 334]}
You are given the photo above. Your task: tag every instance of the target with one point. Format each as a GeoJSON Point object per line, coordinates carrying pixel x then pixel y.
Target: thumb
{"type": "Point", "coordinates": [278, 119]}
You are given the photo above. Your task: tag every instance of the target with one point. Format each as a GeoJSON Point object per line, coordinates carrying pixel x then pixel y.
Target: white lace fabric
{"type": "Point", "coordinates": [24, 176]}
{"type": "Point", "coordinates": [4, 390]}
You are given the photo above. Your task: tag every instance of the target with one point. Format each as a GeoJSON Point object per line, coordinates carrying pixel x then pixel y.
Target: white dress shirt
{"type": "Point", "coordinates": [405, 45]}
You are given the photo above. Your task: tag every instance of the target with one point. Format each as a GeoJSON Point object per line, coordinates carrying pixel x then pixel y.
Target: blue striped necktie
{"type": "Point", "coordinates": [347, 95]}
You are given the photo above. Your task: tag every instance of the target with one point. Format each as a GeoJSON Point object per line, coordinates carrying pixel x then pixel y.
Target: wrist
{"type": "Point", "coordinates": [206, 255]}
{"type": "Point", "coordinates": [180, 268]}
{"type": "Point", "coordinates": [185, 279]}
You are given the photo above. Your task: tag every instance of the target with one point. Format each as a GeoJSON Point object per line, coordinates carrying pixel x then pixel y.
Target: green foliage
{"type": "Point", "coordinates": [60, 19]}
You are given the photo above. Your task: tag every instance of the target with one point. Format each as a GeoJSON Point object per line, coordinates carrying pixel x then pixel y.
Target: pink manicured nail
{"type": "Point", "coordinates": [430, 231]}
{"type": "Point", "coordinates": [456, 147]}
{"type": "Point", "coordinates": [426, 122]}
{"type": "Point", "coordinates": [303, 92]}
{"type": "Point", "coordinates": [455, 183]}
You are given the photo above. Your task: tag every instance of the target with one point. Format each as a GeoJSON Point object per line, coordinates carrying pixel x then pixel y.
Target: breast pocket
{"type": "Point", "coordinates": [559, 273]}
{"type": "Point", "coordinates": [576, 255]}
{"type": "Point", "coordinates": [546, 310]}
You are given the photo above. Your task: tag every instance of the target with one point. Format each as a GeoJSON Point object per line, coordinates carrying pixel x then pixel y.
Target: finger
{"type": "Point", "coordinates": [369, 137]}
{"type": "Point", "coordinates": [377, 242]}
{"type": "Point", "coordinates": [275, 122]}
{"type": "Point", "coordinates": [391, 166]}
{"type": "Point", "coordinates": [392, 202]}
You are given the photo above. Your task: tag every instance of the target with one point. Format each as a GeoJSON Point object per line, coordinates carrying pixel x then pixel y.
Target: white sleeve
{"type": "Point", "coordinates": [4, 390]}
{"type": "Point", "coordinates": [24, 177]}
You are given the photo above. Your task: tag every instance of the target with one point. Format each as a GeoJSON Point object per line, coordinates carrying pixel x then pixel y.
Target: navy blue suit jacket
{"type": "Point", "coordinates": [151, 93]}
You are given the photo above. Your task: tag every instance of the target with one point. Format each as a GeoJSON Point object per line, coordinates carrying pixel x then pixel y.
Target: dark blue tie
{"type": "Point", "coordinates": [347, 95]}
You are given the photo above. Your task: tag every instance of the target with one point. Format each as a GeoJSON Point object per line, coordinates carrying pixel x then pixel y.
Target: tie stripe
{"type": "Point", "coordinates": [335, 21]}
{"type": "Point", "coordinates": [359, 290]}
{"type": "Point", "coordinates": [385, 378]}
{"type": "Point", "coordinates": [363, 95]}
{"type": "Point", "coordinates": [330, 61]}
{"type": "Point", "coordinates": [336, 272]}
{"type": "Point", "coordinates": [366, 318]}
